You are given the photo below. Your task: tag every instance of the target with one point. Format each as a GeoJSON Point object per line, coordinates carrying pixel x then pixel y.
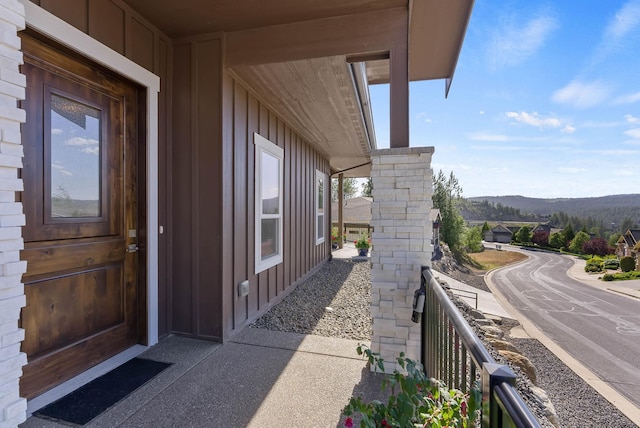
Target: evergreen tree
{"type": "Point", "coordinates": [447, 196]}
{"type": "Point", "coordinates": [367, 187]}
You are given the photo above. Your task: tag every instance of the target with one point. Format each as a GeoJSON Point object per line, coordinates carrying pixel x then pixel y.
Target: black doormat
{"type": "Point", "coordinates": [87, 402]}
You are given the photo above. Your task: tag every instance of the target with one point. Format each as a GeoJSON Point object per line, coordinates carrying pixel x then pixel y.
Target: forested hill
{"type": "Point", "coordinates": [609, 209]}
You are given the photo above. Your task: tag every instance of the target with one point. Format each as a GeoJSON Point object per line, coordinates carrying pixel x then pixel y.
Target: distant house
{"type": "Point", "coordinates": [629, 245]}
{"type": "Point", "coordinates": [542, 228]}
{"type": "Point", "coordinates": [498, 234]}
{"type": "Point", "coordinates": [356, 216]}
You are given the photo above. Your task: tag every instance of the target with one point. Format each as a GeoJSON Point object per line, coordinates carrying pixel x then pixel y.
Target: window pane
{"type": "Point", "coordinates": [320, 184]}
{"type": "Point", "coordinates": [75, 158]}
{"type": "Point", "coordinates": [320, 227]}
{"type": "Point", "coordinates": [269, 238]}
{"type": "Point", "coordinates": [270, 182]}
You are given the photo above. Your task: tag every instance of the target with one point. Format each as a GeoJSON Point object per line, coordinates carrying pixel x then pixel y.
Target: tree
{"type": "Point", "coordinates": [349, 188]}
{"type": "Point", "coordinates": [473, 239]}
{"type": "Point", "coordinates": [541, 238]}
{"type": "Point", "coordinates": [447, 196]}
{"type": "Point", "coordinates": [626, 224]}
{"type": "Point", "coordinates": [597, 247]}
{"type": "Point", "coordinates": [613, 239]}
{"type": "Point", "coordinates": [523, 235]}
{"type": "Point", "coordinates": [568, 234]}
{"type": "Point", "coordinates": [557, 240]}
{"type": "Point", "coordinates": [485, 228]}
{"type": "Point", "coordinates": [578, 241]}
{"type": "Point", "coordinates": [367, 187]}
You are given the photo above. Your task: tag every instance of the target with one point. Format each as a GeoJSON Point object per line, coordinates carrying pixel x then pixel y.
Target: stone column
{"type": "Point", "coordinates": [402, 189]}
{"type": "Point", "coordinates": [12, 298]}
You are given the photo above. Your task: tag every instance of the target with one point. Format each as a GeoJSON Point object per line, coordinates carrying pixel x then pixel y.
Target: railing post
{"type": "Point", "coordinates": [492, 375]}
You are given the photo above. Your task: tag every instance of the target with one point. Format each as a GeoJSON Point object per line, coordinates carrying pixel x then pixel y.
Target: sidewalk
{"type": "Point", "coordinates": [629, 288]}
{"type": "Point", "coordinates": [260, 378]}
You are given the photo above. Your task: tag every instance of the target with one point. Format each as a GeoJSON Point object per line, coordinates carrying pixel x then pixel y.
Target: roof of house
{"type": "Point", "coordinates": [354, 210]}
{"type": "Point", "coordinates": [434, 215]}
{"type": "Point", "coordinates": [311, 61]}
{"type": "Point", "coordinates": [501, 229]}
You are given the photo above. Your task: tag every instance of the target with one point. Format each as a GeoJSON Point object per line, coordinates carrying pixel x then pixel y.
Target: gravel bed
{"type": "Point", "coordinates": [335, 302]}
{"type": "Point", "coordinates": [577, 403]}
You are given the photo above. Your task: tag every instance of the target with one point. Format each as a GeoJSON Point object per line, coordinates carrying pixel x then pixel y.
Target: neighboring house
{"type": "Point", "coordinates": [542, 228]}
{"type": "Point", "coordinates": [435, 219]}
{"type": "Point", "coordinates": [356, 216]}
{"type": "Point", "coordinates": [169, 154]}
{"type": "Point", "coordinates": [499, 234]}
{"type": "Point", "coordinates": [629, 244]}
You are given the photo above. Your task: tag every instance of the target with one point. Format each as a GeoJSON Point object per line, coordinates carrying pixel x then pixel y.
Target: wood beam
{"type": "Point", "coordinates": [340, 208]}
{"type": "Point", "coordinates": [370, 32]}
{"type": "Point", "coordinates": [399, 96]}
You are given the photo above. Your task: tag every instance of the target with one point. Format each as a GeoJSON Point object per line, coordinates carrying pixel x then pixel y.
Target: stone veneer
{"type": "Point", "coordinates": [402, 189]}
{"type": "Point", "coordinates": [12, 298]}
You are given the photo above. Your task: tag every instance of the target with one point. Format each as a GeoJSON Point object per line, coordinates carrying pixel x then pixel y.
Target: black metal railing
{"type": "Point", "coordinates": [453, 353]}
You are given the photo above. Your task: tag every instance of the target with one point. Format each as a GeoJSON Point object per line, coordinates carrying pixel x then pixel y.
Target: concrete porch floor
{"type": "Point", "coordinates": [259, 378]}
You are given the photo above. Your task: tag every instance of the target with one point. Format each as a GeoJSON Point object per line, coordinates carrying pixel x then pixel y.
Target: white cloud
{"type": "Point", "coordinates": [626, 20]}
{"type": "Point", "coordinates": [481, 112]}
{"type": "Point", "coordinates": [623, 172]}
{"type": "Point", "coordinates": [481, 136]}
{"type": "Point", "coordinates": [423, 116]}
{"type": "Point", "coordinates": [631, 119]}
{"type": "Point", "coordinates": [633, 133]}
{"type": "Point", "coordinates": [61, 169]}
{"type": "Point", "coordinates": [514, 43]}
{"type": "Point", "coordinates": [568, 129]}
{"type": "Point", "coordinates": [582, 95]}
{"type": "Point", "coordinates": [91, 150]}
{"type": "Point", "coordinates": [534, 119]}
{"type": "Point", "coordinates": [569, 170]}
{"type": "Point", "coordinates": [627, 99]}
{"type": "Point", "coordinates": [56, 131]}
{"type": "Point", "coordinates": [79, 141]}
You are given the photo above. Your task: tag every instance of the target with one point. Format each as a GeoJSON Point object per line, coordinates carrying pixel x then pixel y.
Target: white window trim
{"type": "Point", "coordinates": [264, 145]}
{"type": "Point", "coordinates": [320, 176]}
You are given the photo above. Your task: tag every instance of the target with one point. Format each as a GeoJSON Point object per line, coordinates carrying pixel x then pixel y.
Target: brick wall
{"type": "Point", "coordinates": [12, 298]}
{"type": "Point", "coordinates": [402, 189]}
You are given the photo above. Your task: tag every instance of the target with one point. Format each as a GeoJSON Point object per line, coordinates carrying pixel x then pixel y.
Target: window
{"type": "Point", "coordinates": [320, 226]}
{"type": "Point", "coordinates": [269, 182]}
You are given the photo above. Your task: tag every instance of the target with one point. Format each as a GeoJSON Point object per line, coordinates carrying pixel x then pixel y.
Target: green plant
{"type": "Point", "coordinates": [611, 264]}
{"type": "Point", "coordinates": [607, 277]}
{"type": "Point", "coordinates": [363, 242]}
{"type": "Point", "coordinates": [594, 264]}
{"type": "Point", "coordinates": [419, 402]}
{"type": "Point", "coordinates": [627, 263]}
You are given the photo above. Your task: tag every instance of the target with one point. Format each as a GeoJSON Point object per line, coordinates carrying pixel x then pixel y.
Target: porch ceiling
{"type": "Point", "coordinates": [317, 98]}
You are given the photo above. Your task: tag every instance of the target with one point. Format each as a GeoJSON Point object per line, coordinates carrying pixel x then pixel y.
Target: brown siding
{"type": "Point", "coordinates": [300, 254]}
{"type": "Point", "coordinates": [115, 24]}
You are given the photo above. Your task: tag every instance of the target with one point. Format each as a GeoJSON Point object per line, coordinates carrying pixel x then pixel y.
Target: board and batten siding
{"type": "Point", "coordinates": [245, 114]}
{"type": "Point", "coordinates": [118, 26]}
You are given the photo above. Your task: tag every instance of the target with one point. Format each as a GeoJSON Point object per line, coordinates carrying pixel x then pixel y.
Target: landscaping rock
{"type": "Point", "coordinates": [523, 362]}
{"type": "Point", "coordinates": [503, 345]}
{"type": "Point", "coordinates": [492, 332]}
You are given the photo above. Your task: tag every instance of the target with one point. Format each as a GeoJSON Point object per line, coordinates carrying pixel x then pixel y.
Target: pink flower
{"type": "Point", "coordinates": [348, 423]}
{"type": "Point", "coordinates": [384, 423]}
{"type": "Point", "coordinates": [463, 408]}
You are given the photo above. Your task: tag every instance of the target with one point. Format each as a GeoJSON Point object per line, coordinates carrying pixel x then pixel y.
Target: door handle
{"type": "Point", "coordinates": [132, 248]}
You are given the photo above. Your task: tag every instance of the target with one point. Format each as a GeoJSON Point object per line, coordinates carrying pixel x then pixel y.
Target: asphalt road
{"type": "Point", "coordinates": [598, 328]}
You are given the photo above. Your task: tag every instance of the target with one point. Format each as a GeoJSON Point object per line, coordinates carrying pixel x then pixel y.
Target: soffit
{"type": "Point", "coordinates": [189, 17]}
{"type": "Point", "coordinates": [316, 97]}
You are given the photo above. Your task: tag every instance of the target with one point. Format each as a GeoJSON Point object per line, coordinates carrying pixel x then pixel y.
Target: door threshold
{"type": "Point", "coordinates": [83, 378]}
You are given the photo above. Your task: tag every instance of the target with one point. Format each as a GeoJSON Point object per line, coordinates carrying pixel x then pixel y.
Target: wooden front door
{"type": "Point", "coordinates": [80, 200]}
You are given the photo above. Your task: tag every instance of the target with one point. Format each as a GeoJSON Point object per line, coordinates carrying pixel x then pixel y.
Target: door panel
{"type": "Point", "coordinates": [80, 201]}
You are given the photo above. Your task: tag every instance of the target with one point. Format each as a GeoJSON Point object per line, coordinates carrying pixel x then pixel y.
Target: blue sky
{"type": "Point", "coordinates": [545, 101]}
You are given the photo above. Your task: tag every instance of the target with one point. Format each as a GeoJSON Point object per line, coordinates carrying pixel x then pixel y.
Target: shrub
{"type": "Point", "coordinates": [627, 263]}
{"type": "Point", "coordinates": [597, 246]}
{"type": "Point", "coordinates": [421, 401]}
{"type": "Point", "coordinates": [607, 277]}
{"type": "Point", "coordinates": [611, 264]}
{"type": "Point", "coordinates": [594, 264]}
